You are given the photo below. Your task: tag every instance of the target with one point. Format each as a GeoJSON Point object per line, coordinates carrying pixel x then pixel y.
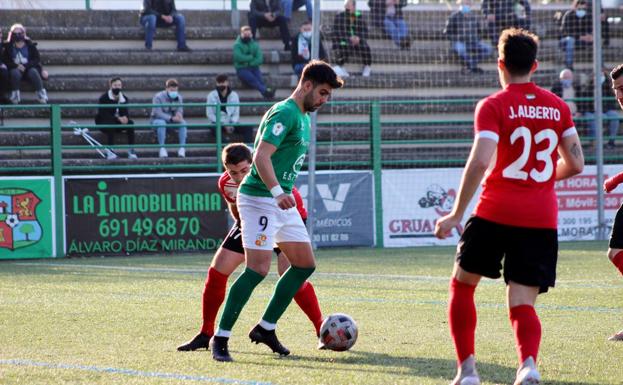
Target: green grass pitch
{"type": "Point", "coordinates": [119, 320]}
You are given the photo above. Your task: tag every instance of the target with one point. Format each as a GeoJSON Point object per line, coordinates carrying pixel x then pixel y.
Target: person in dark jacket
{"type": "Point", "coordinates": [350, 34]}
{"type": "Point", "coordinates": [301, 48]}
{"type": "Point", "coordinates": [501, 14]}
{"type": "Point", "coordinates": [4, 75]}
{"type": "Point", "coordinates": [118, 115]}
{"type": "Point", "coordinates": [387, 16]}
{"type": "Point", "coordinates": [576, 30]}
{"type": "Point", "coordinates": [609, 107]}
{"type": "Point", "coordinates": [268, 13]}
{"type": "Point", "coordinates": [463, 29]}
{"type": "Point", "coordinates": [21, 57]}
{"type": "Point", "coordinates": [163, 14]}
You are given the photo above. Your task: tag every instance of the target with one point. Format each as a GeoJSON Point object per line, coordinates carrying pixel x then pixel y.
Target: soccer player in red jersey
{"type": "Point", "coordinates": [525, 140]}
{"type": "Point", "coordinates": [615, 248]}
{"type": "Point", "coordinates": [237, 160]}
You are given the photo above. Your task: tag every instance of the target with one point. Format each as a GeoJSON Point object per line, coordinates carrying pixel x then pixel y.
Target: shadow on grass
{"type": "Point", "coordinates": [379, 363]}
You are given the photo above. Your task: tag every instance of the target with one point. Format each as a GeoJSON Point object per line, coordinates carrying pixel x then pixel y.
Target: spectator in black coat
{"type": "Point", "coordinates": [576, 30]}
{"type": "Point", "coordinates": [113, 116]}
{"type": "Point", "coordinates": [350, 33]}
{"type": "Point", "coordinates": [501, 14]}
{"type": "Point", "coordinates": [163, 14]}
{"type": "Point", "coordinates": [21, 57]}
{"type": "Point", "coordinates": [301, 48]}
{"type": "Point", "coordinates": [268, 13]}
{"type": "Point", "coordinates": [4, 75]}
{"type": "Point", "coordinates": [463, 29]}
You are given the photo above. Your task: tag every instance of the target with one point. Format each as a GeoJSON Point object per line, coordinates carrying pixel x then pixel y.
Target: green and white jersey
{"type": "Point", "coordinates": [287, 128]}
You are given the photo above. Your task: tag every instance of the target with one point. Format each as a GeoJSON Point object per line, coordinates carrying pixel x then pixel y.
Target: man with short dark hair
{"type": "Point", "coordinates": [576, 30]}
{"type": "Point", "coordinates": [226, 99]}
{"type": "Point", "coordinates": [268, 210]}
{"type": "Point", "coordinates": [463, 29]}
{"type": "Point", "coordinates": [268, 13]}
{"type": "Point", "coordinates": [530, 134]}
{"type": "Point", "coordinates": [163, 14]}
{"type": "Point", "coordinates": [169, 111]}
{"type": "Point", "coordinates": [115, 116]}
{"type": "Point", "coordinates": [615, 246]}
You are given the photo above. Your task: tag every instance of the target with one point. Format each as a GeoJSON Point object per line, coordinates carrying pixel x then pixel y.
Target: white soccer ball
{"type": "Point", "coordinates": [338, 332]}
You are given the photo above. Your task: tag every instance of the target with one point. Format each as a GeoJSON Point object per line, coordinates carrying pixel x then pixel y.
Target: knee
{"type": "Point", "coordinates": [179, 19]}
{"type": "Point", "coordinates": [613, 253]}
{"type": "Point", "coordinates": [149, 21]}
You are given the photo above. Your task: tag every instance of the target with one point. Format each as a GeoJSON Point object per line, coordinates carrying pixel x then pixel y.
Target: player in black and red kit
{"type": "Point", "coordinates": [615, 247]}
{"type": "Point", "coordinates": [526, 140]}
{"type": "Point", "coordinates": [237, 160]}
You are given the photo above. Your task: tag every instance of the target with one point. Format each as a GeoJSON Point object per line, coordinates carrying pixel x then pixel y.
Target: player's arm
{"type": "Point", "coordinates": [264, 166]}
{"type": "Point", "coordinates": [612, 182]}
{"type": "Point", "coordinates": [233, 210]}
{"type": "Point", "coordinates": [479, 159]}
{"type": "Point", "coordinates": [571, 161]}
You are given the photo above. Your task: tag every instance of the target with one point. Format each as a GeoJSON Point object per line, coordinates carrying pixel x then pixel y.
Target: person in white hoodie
{"type": "Point", "coordinates": [226, 99]}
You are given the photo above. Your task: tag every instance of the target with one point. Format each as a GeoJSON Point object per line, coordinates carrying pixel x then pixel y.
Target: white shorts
{"type": "Point", "coordinates": [264, 224]}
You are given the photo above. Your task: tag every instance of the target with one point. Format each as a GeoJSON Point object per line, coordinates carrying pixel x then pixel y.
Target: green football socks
{"type": "Point", "coordinates": [238, 296]}
{"type": "Point", "coordinates": [286, 288]}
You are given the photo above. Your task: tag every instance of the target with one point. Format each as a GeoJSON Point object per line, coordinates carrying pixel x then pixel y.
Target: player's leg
{"type": "Point", "coordinates": [615, 254]}
{"type": "Point", "coordinates": [305, 297]}
{"type": "Point", "coordinates": [259, 225]}
{"type": "Point", "coordinates": [527, 328]}
{"type": "Point", "coordinates": [227, 258]}
{"type": "Point", "coordinates": [479, 253]}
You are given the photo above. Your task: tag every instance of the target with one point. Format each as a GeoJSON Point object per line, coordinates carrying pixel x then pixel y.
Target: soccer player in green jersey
{"type": "Point", "coordinates": [268, 211]}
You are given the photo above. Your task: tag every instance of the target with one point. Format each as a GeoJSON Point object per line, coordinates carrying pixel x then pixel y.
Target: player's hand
{"type": "Point", "coordinates": [444, 226]}
{"type": "Point", "coordinates": [285, 201]}
{"type": "Point", "coordinates": [610, 184]}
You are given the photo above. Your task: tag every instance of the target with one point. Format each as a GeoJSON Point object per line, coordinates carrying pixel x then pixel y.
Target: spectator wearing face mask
{"type": "Point", "coordinates": [168, 110]}
{"type": "Point", "coordinates": [226, 100]}
{"type": "Point", "coordinates": [565, 89]}
{"type": "Point", "coordinates": [248, 58]}
{"type": "Point", "coordinates": [576, 30]}
{"type": "Point", "coordinates": [463, 29]}
{"type": "Point", "coordinates": [21, 58]}
{"type": "Point", "coordinates": [301, 48]}
{"type": "Point", "coordinates": [115, 116]}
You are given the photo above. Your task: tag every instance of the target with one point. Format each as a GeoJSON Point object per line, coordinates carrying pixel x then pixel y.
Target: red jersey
{"type": "Point", "coordinates": [229, 190]}
{"type": "Point", "coordinates": [528, 123]}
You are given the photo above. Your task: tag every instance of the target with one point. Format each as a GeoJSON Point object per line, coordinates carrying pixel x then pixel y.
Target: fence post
{"type": "Point", "coordinates": [375, 147]}
{"type": "Point", "coordinates": [57, 172]}
{"type": "Point", "coordinates": [218, 132]}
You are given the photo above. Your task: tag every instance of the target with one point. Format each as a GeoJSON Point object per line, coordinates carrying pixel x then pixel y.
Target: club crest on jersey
{"type": "Point", "coordinates": [277, 129]}
{"type": "Point", "coordinates": [260, 240]}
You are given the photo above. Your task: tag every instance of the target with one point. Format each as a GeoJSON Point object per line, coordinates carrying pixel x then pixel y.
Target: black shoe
{"type": "Point", "coordinates": [269, 338]}
{"type": "Point", "coordinates": [220, 352]}
{"type": "Point", "coordinates": [201, 340]}
{"type": "Point", "coordinates": [184, 49]}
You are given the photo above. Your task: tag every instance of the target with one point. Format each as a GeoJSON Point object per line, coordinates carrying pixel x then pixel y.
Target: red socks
{"type": "Point", "coordinates": [308, 302]}
{"type": "Point", "coordinates": [527, 328]}
{"type": "Point", "coordinates": [213, 296]}
{"type": "Point", "coordinates": [618, 261]}
{"type": "Point", "coordinates": [462, 318]}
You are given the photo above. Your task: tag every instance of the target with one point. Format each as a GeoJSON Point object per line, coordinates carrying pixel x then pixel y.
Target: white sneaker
{"type": "Point", "coordinates": [132, 155]}
{"type": "Point", "coordinates": [163, 153]}
{"type": "Point", "coordinates": [42, 96]}
{"type": "Point", "coordinates": [527, 373]}
{"type": "Point", "coordinates": [366, 71]}
{"type": "Point", "coordinates": [15, 97]}
{"type": "Point", "coordinates": [110, 155]}
{"type": "Point", "coordinates": [181, 152]}
{"type": "Point", "coordinates": [467, 373]}
{"type": "Point", "coordinates": [341, 72]}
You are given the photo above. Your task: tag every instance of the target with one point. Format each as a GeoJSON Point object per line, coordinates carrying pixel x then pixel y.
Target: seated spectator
{"type": "Point", "coordinates": [163, 14]}
{"type": "Point", "coordinates": [288, 5]}
{"type": "Point", "coordinates": [463, 29]}
{"type": "Point", "coordinates": [21, 57]}
{"type": "Point", "coordinates": [387, 15]}
{"type": "Point", "coordinates": [4, 75]}
{"type": "Point", "coordinates": [247, 60]}
{"type": "Point", "coordinates": [576, 30]}
{"type": "Point", "coordinates": [169, 110]}
{"type": "Point", "coordinates": [118, 115]}
{"type": "Point", "coordinates": [301, 48]}
{"type": "Point", "coordinates": [609, 107]}
{"type": "Point", "coordinates": [230, 113]}
{"type": "Point", "coordinates": [268, 13]}
{"type": "Point", "coordinates": [502, 14]}
{"type": "Point", "coordinates": [349, 38]}
{"type": "Point", "coordinates": [565, 88]}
